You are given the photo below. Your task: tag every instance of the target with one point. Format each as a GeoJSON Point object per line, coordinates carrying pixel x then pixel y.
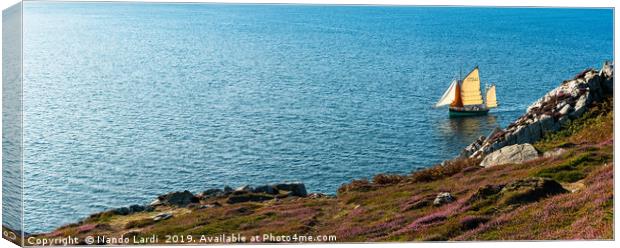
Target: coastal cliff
{"type": "Point", "coordinates": [550, 113]}
{"type": "Point", "coordinates": [554, 164]}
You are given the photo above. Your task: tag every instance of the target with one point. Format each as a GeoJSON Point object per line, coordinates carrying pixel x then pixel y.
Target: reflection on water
{"type": "Point", "coordinates": [469, 127]}
{"type": "Point", "coordinates": [457, 132]}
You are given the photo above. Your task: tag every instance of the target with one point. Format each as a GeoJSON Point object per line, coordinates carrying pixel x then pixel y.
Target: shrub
{"type": "Point", "coordinates": [450, 168]}
{"type": "Point", "coordinates": [417, 202]}
{"type": "Point", "coordinates": [139, 223]}
{"type": "Point", "coordinates": [471, 222]}
{"type": "Point", "coordinates": [565, 176]}
{"type": "Point", "coordinates": [595, 126]}
{"type": "Point", "coordinates": [384, 179]}
{"type": "Point", "coordinates": [101, 216]}
{"type": "Point", "coordinates": [356, 185]}
{"type": "Point", "coordinates": [435, 237]}
{"type": "Point", "coordinates": [571, 170]}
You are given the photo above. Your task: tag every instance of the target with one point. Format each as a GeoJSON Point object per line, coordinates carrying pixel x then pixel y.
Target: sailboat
{"type": "Point", "coordinates": [465, 96]}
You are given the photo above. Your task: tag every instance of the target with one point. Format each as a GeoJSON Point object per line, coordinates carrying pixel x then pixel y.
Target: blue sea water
{"type": "Point", "coordinates": [126, 101]}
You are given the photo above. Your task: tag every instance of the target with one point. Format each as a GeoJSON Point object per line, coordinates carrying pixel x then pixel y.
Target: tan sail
{"type": "Point", "coordinates": [458, 102]}
{"type": "Point", "coordinates": [491, 98]}
{"type": "Point", "coordinates": [470, 89]}
{"type": "Point", "coordinates": [448, 96]}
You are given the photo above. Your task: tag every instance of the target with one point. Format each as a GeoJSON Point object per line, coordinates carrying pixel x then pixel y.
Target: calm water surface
{"type": "Point", "coordinates": [124, 102]}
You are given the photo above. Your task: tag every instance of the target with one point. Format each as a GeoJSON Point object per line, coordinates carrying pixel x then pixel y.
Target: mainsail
{"type": "Point", "coordinates": [448, 96]}
{"type": "Point", "coordinates": [470, 89]}
{"type": "Point", "coordinates": [491, 98]}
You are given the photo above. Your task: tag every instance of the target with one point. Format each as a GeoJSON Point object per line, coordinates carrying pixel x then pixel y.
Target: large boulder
{"type": "Point", "coordinates": [548, 124]}
{"type": "Point", "coordinates": [210, 193]}
{"type": "Point", "coordinates": [564, 121]}
{"type": "Point", "coordinates": [513, 154]}
{"type": "Point", "coordinates": [593, 81]}
{"type": "Point", "coordinates": [121, 211]}
{"type": "Point", "coordinates": [607, 74]}
{"type": "Point", "coordinates": [529, 190]}
{"type": "Point", "coordinates": [268, 189]}
{"type": "Point", "coordinates": [295, 189]}
{"type": "Point", "coordinates": [179, 199]}
{"type": "Point", "coordinates": [564, 110]}
{"type": "Point", "coordinates": [247, 197]}
{"type": "Point", "coordinates": [140, 208]}
{"type": "Point", "coordinates": [244, 188]}
{"type": "Point", "coordinates": [580, 106]}
{"type": "Point", "coordinates": [535, 132]}
{"type": "Point", "coordinates": [528, 133]}
{"type": "Point", "coordinates": [162, 216]}
{"type": "Point", "coordinates": [443, 198]}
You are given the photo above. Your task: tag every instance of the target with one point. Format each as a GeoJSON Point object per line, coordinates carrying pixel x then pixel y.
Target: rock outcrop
{"type": "Point", "coordinates": [162, 216]}
{"type": "Point", "coordinates": [283, 189]}
{"type": "Point", "coordinates": [130, 210]}
{"type": "Point", "coordinates": [548, 114]}
{"type": "Point", "coordinates": [179, 199]}
{"type": "Point", "coordinates": [514, 154]}
{"type": "Point", "coordinates": [267, 189]}
{"type": "Point", "coordinates": [211, 193]}
{"type": "Point", "coordinates": [485, 192]}
{"type": "Point", "coordinates": [241, 194]}
{"type": "Point", "coordinates": [529, 190]}
{"type": "Point", "coordinates": [244, 196]}
{"type": "Point", "coordinates": [443, 198]}
{"type": "Point", "coordinates": [518, 192]}
{"type": "Point", "coordinates": [295, 189]}
{"type": "Point", "coordinates": [266, 192]}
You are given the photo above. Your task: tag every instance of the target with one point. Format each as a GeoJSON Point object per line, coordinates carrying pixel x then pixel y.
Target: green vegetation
{"type": "Point", "coordinates": [575, 168]}
{"type": "Point", "coordinates": [592, 126]}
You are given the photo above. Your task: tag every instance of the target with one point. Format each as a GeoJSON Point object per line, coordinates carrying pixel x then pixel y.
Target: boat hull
{"type": "Point", "coordinates": [465, 113]}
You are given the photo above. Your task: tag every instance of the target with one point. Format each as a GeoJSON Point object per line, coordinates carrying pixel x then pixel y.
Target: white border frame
{"type": "Point", "coordinates": [506, 3]}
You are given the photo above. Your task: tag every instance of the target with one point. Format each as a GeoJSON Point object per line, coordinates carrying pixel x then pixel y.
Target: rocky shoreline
{"type": "Point", "coordinates": [549, 113]}
{"type": "Point", "coordinates": [228, 195]}
{"type": "Point", "coordinates": [416, 206]}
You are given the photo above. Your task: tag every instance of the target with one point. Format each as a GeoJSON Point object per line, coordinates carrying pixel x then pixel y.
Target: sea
{"type": "Point", "coordinates": [123, 102]}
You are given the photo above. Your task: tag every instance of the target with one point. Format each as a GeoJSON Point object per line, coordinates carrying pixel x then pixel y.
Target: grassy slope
{"type": "Point", "coordinates": [395, 208]}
